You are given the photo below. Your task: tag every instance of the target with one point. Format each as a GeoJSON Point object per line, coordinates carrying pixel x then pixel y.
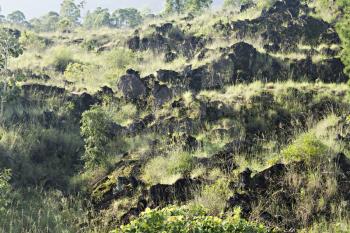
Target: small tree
{"type": "Point", "coordinates": [46, 23]}
{"type": "Point", "coordinates": [128, 17]}
{"type": "Point", "coordinates": [9, 47]}
{"type": "Point", "coordinates": [198, 5]}
{"type": "Point", "coordinates": [182, 6]}
{"type": "Point", "coordinates": [174, 6]}
{"type": "Point", "coordinates": [98, 18]}
{"type": "Point", "coordinates": [343, 28]}
{"type": "Point", "coordinates": [95, 125]}
{"type": "Point", "coordinates": [16, 17]}
{"type": "Point", "coordinates": [70, 11]}
{"type": "Point", "coordinates": [5, 189]}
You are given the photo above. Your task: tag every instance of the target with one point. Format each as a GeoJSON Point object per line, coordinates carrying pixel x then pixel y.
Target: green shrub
{"type": "Point", "coordinates": [180, 162]}
{"type": "Point", "coordinates": [120, 58]}
{"type": "Point", "coordinates": [95, 126]}
{"type": "Point", "coordinates": [306, 147]}
{"type": "Point", "coordinates": [344, 33]}
{"type": "Point", "coordinates": [75, 71]}
{"type": "Point", "coordinates": [213, 197]}
{"type": "Point", "coordinates": [30, 40]}
{"type": "Point", "coordinates": [166, 169]}
{"type": "Point", "coordinates": [61, 58]}
{"type": "Point", "coordinates": [5, 190]}
{"type": "Point", "coordinates": [188, 220]}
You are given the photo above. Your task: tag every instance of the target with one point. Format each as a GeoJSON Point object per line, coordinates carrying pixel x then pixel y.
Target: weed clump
{"type": "Point", "coordinates": [306, 147]}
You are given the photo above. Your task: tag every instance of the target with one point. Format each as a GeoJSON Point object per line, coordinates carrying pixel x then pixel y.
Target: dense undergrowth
{"type": "Point", "coordinates": [233, 120]}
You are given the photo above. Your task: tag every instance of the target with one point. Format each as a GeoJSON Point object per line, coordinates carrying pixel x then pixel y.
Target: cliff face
{"type": "Point", "coordinates": [232, 109]}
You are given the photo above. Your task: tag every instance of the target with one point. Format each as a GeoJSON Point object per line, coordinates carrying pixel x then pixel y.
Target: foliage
{"type": "Point", "coordinates": [128, 17]}
{"type": "Point", "coordinates": [61, 58]}
{"type": "Point", "coordinates": [70, 11]}
{"type": "Point", "coordinates": [46, 23]}
{"type": "Point", "coordinates": [9, 46]}
{"type": "Point", "coordinates": [76, 70]}
{"type": "Point", "coordinates": [180, 162]}
{"type": "Point", "coordinates": [30, 40]}
{"type": "Point", "coordinates": [236, 3]}
{"type": "Point", "coordinates": [164, 169]}
{"type": "Point", "coordinates": [213, 197]}
{"type": "Point", "coordinates": [16, 17]}
{"type": "Point", "coordinates": [98, 18]}
{"type": "Point", "coordinates": [306, 147]}
{"type": "Point", "coordinates": [182, 6]}
{"type": "Point", "coordinates": [186, 219]}
{"type": "Point", "coordinates": [95, 126]}
{"type": "Point", "coordinates": [5, 190]}
{"type": "Point", "coordinates": [343, 28]}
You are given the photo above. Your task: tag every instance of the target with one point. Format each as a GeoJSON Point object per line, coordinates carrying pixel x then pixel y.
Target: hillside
{"type": "Point", "coordinates": [235, 120]}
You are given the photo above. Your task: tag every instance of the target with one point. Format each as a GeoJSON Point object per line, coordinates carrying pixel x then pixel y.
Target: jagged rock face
{"type": "Point", "coordinates": [162, 94]}
{"type": "Point", "coordinates": [124, 184]}
{"type": "Point", "coordinates": [181, 191]}
{"type": "Point", "coordinates": [283, 26]}
{"type": "Point", "coordinates": [328, 70]}
{"type": "Point", "coordinates": [132, 87]}
{"type": "Point", "coordinates": [170, 39]}
{"type": "Point", "coordinates": [141, 125]}
{"type": "Point", "coordinates": [273, 183]}
{"type": "Point", "coordinates": [343, 163]}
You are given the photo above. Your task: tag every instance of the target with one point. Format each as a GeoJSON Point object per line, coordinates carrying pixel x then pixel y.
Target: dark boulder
{"type": "Point", "coordinates": [264, 180]}
{"type": "Point", "coordinates": [164, 28]}
{"type": "Point", "coordinates": [134, 43]}
{"type": "Point", "coordinates": [84, 101]}
{"type": "Point", "coordinates": [343, 163]}
{"type": "Point", "coordinates": [331, 71]}
{"type": "Point", "coordinates": [132, 86]}
{"type": "Point", "coordinates": [134, 211]}
{"type": "Point", "coordinates": [190, 143]}
{"type": "Point", "coordinates": [141, 124]}
{"type": "Point", "coordinates": [242, 200]}
{"type": "Point", "coordinates": [162, 94]}
{"type": "Point", "coordinates": [125, 186]}
{"type": "Point", "coordinates": [169, 77]}
{"type": "Point", "coordinates": [247, 6]}
{"type": "Point", "coordinates": [170, 56]}
{"type": "Point", "coordinates": [182, 190]}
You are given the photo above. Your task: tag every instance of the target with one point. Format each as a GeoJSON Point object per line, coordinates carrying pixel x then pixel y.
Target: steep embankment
{"type": "Point", "coordinates": [250, 115]}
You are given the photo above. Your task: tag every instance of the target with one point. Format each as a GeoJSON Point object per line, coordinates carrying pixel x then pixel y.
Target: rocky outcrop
{"type": "Point", "coordinates": [131, 86]}
{"type": "Point", "coordinates": [284, 25]}
{"type": "Point", "coordinates": [181, 191]}
{"type": "Point", "coordinates": [170, 39]}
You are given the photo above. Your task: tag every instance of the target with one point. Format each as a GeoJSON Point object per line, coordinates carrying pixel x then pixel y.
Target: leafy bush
{"type": "Point", "coordinates": [344, 32]}
{"type": "Point", "coordinates": [77, 71]}
{"type": "Point", "coordinates": [61, 58]}
{"type": "Point", "coordinates": [306, 147]}
{"type": "Point", "coordinates": [213, 197]}
{"type": "Point", "coordinates": [32, 41]}
{"type": "Point", "coordinates": [95, 126]}
{"type": "Point", "coordinates": [189, 220]}
{"type": "Point", "coordinates": [166, 169]}
{"type": "Point", "coordinates": [5, 189]}
{"type": "Point", "coordinates": [180, 162]}
{"type": "Point", "coordinates": [236, 3]}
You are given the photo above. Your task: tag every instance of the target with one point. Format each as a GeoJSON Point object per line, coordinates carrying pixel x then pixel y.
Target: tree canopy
{"type": "Point", "coordinates": [182, 6]}
{"type": "Point", "coordinates": [70, 11]}
{"type": "Point", "coordinates": [16, 17]}
{"type": "Point", "coordinates": [9, 46]}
